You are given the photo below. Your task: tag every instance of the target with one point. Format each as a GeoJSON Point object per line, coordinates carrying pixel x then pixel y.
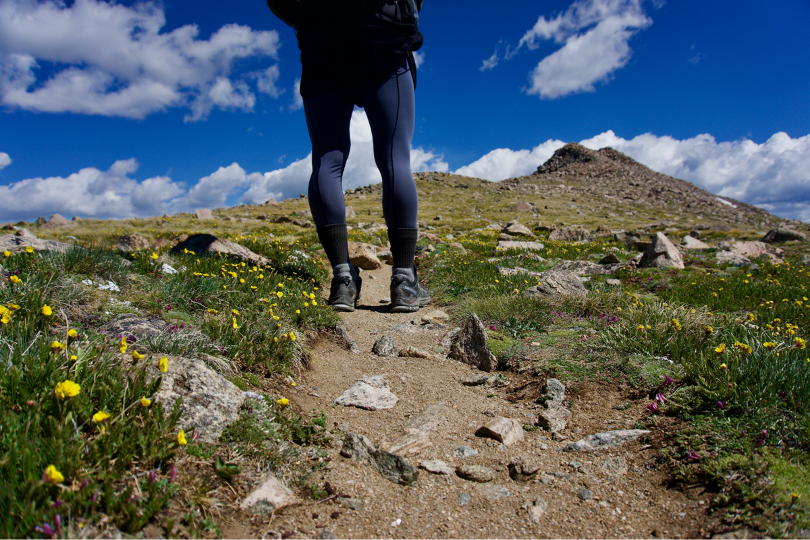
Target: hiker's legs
{"type": "Point", "coordinates": [328, 119]}
{"type": "Point", "coordinates": [390, 106]}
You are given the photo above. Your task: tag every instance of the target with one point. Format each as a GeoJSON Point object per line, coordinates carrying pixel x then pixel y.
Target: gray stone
{"type": "Point", "coordinates": [505, 430]}
{"type": "Point", "coordinates": [474, 380]}
{"type": "Point", "coordinates": [386, 256]}
{"type": "Point", "coordinates": [415, 436]}
{"type": "Point", "coordinates": [758, 250]}
{"type": "Point", "coordinates": [209, 401]}
{"type": "Point", "coordinates": [385, 346]}
{"type": "Point", "coordinates": [522, 470]}
{"type": "Point", "coordinates": [613, 282]}
{"type": "Point", "coordinates": [364, 256]}
{"type": "Point", "coordinates": [492, 492]}
{"type": "Point", "coordinates": [413, 352]}
{"type": "Point", "coordinates": [610, 258]}
{"type": "Point", "coordinates": [661, 253]}
{"type": "Point", "coordinates": [607, 439]}
{"type": "Point", "coordinates": [783, 235]}
{"type": "Point", "coordinates": [466, 451]}
{"type": "Point", "coordinates": [131, 242]}
{"type": "Point", "coordinates": [475, 473]}
{"type": "Point", "coordinates": [614, 466]}
{"type": "Point", "coordinates": [537, 510]}
{"type": "Point", "coordinates": [130, 324]}
{"type": "Point", "coordinates": [513, 244]}
{"type": "Point", "coordinates": [203, 214]}
{"type": "Point", "coordinates": [350, 212]}
{"type": "Point", "coordinates": [208, 243]}
{"type": "Point", "coordinates": [547, 479]}
{"type": "Point", "coordinates": [690, 242]}
{"type": "Point", "coordinates": [326, 534]}
{"type": "Point", "coordinates": [464, 499]}
{"type": "Point", "coordinates": [470, 346]}
{"type": "Point", "coordinates": [554, 390]}
{"type": "Point", "coordinates": [557, 283]}
{"type": "Point", "coordinates": [568, 234]}
{"type": "Point", "coordinates": [585, 494]}
{"type": "Point", "coordinates": [57, 221]}
{"type": "Point", "coordinates": [23, 239]}
{"type": "Point", "coordinates": [391, 466]}
{"type": "Point", "coordinates": [350, 503]}
{"type": "Point", "coordinates": [270, 496]}
{"type": "Point", "coordinates": [350, 344]}
{"type": "Point", "coordinates": [731, 257]}
{"type": "Point", "coordinates": [516, 228]}
{"type": "Point", "coordinates": [554, 418]}
{"type": "Point", "coordinates": [435, 466]}
{"type": "Point", "coordinates": [370, 393]}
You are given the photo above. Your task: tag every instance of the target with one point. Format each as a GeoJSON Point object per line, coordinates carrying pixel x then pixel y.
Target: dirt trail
{"type": "Point", "coordinates": [634, 503]}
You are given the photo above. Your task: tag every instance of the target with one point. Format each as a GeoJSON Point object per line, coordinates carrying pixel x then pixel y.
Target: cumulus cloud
{"type": "Point", "coordinates": [774, 175]}
{"type": "Point", "coordinates": [505, 163]}
{"type": "Point", "coordinates": [5, 160]}
{"type": "Point", "coordinates": [115, 193]}
{"type": "Point", "coordinates": [594, 36]}
{"type": "Point", "coordinates": [109, 59]}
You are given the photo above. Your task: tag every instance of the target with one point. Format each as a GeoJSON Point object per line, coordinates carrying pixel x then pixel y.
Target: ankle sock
{"type": "Point", "coordinates": [406, 274]}
{"type": "Point", "coordinates": [342, 270]}
{"type": "Point", "coordinates": [334, 239]}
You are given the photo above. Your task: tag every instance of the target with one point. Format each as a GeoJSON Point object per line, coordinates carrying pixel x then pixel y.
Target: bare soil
{"type": "Point", "coordinates": [634, 504]}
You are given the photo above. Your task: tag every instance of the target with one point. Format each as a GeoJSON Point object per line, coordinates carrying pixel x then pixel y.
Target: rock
{"type": "Point", "coordinates": [464, 499]}
{"type": "Point", "coordinates": [415, 436]}
{"type": "Point", "coordinates": [131, 242]}
{"type": "Point", "coordinates": [208, 243]}
{"type": "Point", "coordinates": [537, 510]}
{"type": "Point", "coordinates": [730, 257]}
{"type": "Point", "coordinates": [470, 346]}
{"type": "Point", "coordinates": [457, 246]}
{"type": "Point", "coordinates": [610, 258]}
{"type": "Point", "coordinates": [386, 256]}
{"type": "Point", "coordinates": [40, 221]}
{"type": "Point", "coordinates": [695, 234]}
{"type": "Point", "coordinates": [434, 317]}
{"type": "Point", "coordinates": [270, 496]}
{"type": "Point", "coordinates": [130, 324]}
{"type": "Point", "coordinates": [511, 244]}
{"type": "Point", "coordinates": [350, 212]}
{"type": "Point", "coordinates": [556, 283]}
{"type": "Point", "coordinates": [506, 237]}
{"type": "Point", "coordinates": [492, 492]}
{"type": "Point", "coordinates": [614, 466]}
{"type": "Point", "coordinates": [475, 473]}
{"type": "Point", "coordinates": [505, 430]}
{"type": "Point", "coordinates": [568, 234]}
{"type": "Point", "coordinates": [690, 242]}
{"type": "Point", "coordinates": [269, 202]}
{"type": "Point", "coordinates": [435, 466]}
{"type": "Point", "coordinates": [209, 401]}
{"type": "Point", "coordinates": [607, 439]}
{"type": "Point", "coordinates": [385, 346]}
{"type": "Point", "coordinates": [203, 214]}
{"type": "Point", "coordinates": [614, 282]}
{"type": "Point", "coordinates": [661, 253]}
{"type": "Point", "coordinates": [554, 390]}
{"type": "Point", "coordinates": [364, 256]}
{"type": "Point", "coordinates": [783, 235]}
{"type": "Point", "coordinates": [350, 503]}
{"type": "Point", "coordinates": [474, 380]}
{"type": "Point", "coordinates": [466, 451]}
{"type": "Point", "coordinates": [57, 221]}
{"type": "Point", "coordinates": [350, 344]}
{"type": "Point", "coordinates": [585, 494]}
{"type": "Point", "coordinates": [23, 238]}
{"type": "Point", "coordinates": [516, 228]}
{"type": "Point", "coordinates": [522, 470]}
{"type": "Point", "coordinates": [370, 393]}
{"type": "Point", "coordinates": [523, 207]}
{"type": "Point", "coordinates": [554, 418]}
{"type": "Point", "coordinates": [603, 231]}
{"type": "Point", "coordinates": [758, 250]}
{"type": "Point", "coordinates": [391, 466]}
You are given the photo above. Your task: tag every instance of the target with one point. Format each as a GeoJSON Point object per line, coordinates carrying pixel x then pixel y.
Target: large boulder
{"type": "Point", "coordinates": [470, 346]}
{"type": "Point", "coordinates": [56, 221]}
{"type": "Point", "coordinates": [131, 242]}
{"type": "Point", "coordinates": [514, 244]}
{"type": "Point", "coordinates": [661, 253]}
{"type": "Point", "coordinates": [556, 283]}
{"type": "Point", "coordinates": [758, 250]}
{"type": "Point", "coordinates": [23, 239]}
{"type": "Point", "coordinates": [568, 234]}
{"type": "Point", "coordinates": [208, 243]}
{"type": "Point", "coordinates": [783, 235]}
{"type": "Point", "coordinates": [516, 228]}
{"type": "Point", "coordinates": [364, 256]}
{"type": "Point", "coordinates": [203, 214]}
{"type": "Point", "coordinates": [692, 242]}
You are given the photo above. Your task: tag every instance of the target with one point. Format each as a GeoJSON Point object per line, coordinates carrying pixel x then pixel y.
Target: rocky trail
{"type": "Point", "coordinates": [424, 468]}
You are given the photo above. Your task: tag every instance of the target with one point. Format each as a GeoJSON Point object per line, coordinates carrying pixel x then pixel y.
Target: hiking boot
{"type": "Point", "coordinates": [407, 297]}
{"type": "Point", "coordinates": [345, 293]}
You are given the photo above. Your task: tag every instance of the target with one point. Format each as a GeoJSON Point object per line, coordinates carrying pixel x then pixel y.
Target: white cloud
{"type": "Point", "coordinates": [297, 102]}
{"type": "Point", "coordinates": [113, 60]}
{"type": "Point", "coordinates": [5, 160]}
{"type": "Point", "coordinates": [594, 35]}
{"type": "Point", "coordinates": [774, 175]}
{"type": "Point", "coordinates": [418, 58]}
{"type": "Point", "coordinates": [266, 81]}
{"type": "Point", "coordinates": [505, 163]}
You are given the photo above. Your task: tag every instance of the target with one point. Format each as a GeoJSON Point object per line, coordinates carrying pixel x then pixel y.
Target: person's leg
{"type": "Point", "coordinates": [328, 119]}
{"type": "Point", "coordinates": [390, 106]}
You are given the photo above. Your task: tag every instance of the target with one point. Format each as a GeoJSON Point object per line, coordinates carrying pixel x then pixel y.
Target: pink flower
{"type": "Point", "coordinates": [668, 381]}
{"type": "Point", "coordinates": [693, 455]}
{"type": "Point", "coordinates": [653, 407]}
{"type": "Point", "coordinates": [659, 397]}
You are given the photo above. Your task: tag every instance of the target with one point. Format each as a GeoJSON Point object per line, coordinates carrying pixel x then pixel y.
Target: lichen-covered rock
{"type": "Point", "coordinates": [555, 283]}
{"type": "Point", "coordinates": [23, 238]}
{"type": "Point", "coordinates": [661, 253]}
{"type": "Point", "coordinates": [516, 228]}
{"type": "Point", "coordinates": [568, 234]}
{"type": "Point", "coordinates": [208, 243]}
{"type": "Point", "coordinates": [370, 393]}
{"type": "Point", "coordinates": [783, 235]}
{"type": "Point", "coordinates": [470, 346]}
{"type": "Point", "coordinates": [130, 324]}
{"type": "Point", "coordinates": [384, 346]}
{"type": "Point", "coordinates": [270, 496]}
{"type": "Point", "coordinates": [131, 242]}
{"type": "Point", "coordinates": [607, 439]}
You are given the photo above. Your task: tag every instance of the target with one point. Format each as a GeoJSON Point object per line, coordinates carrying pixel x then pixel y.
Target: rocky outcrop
{"type": "Point", "coordinates": [391, 466]}
{"type": "Point", "coordinates": [131, 242]}
{"type": "Point", "coordinates": [555, 283]}
{"type": "Point", "coordinates": [364, 256]}
{"type": "Point", "coordinates": [56, 221]}
{"type": "Point", "coordinates": [783, 235]}
{"type": "Point", "coordinates": [370, 393]}
{"type": "Point", "coordinates": [470, 346]}
{"type": "Point", "coordinates": [516, 228]}
{"type": "Point", "coordinates": [208, 243]}
{"type": "Point", "coordinates": [203, 214]}
{"type": "Point", "coordinates": [23, 239]}
{"type": "Point", "coordinates": [568, 234]}
{"type": "Point", "coordinates": [661, 253]}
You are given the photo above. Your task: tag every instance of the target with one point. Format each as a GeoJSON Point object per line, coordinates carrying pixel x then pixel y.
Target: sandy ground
{"type": "Point", "coordinates": [634, 504]}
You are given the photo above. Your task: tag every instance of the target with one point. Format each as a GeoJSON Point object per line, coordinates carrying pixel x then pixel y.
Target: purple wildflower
{"type": "Point", "coordinates": [659, 397]}
{"type": "Point", "coordinates": [492, 327]}
{"type": "Point", "coordinates": [152, 476]}
{"type": "Point", "coordinates": [693, 455]}
{"type": "Point", "coordinates": [58, 524]}
{"type": "Point", "coordinates": [94, 498]}
{"type": "Point", "coordinates": [45, 530]}
{"type": "Point", "coordinates": [653, 407]}
{"type": "Point", "coordinates": [668, 381]}
{"type": "Point", "coordinates": [721, 404]}
{"type": "Point", "coordinates": [172, 474]}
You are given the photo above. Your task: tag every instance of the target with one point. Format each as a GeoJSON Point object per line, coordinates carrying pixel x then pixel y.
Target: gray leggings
{"type": "Point", "coordinates": [390, 107]}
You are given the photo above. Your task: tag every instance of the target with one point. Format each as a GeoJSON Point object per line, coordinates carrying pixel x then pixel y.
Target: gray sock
{"type": "Point", "coordinates": [403, 273]}
{"type": "Point", "coordinates": [342, 270]}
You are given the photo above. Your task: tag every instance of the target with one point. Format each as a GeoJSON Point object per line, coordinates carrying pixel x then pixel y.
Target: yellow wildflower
{"type": "Point", "coordinates": [799, 343]}
{"type": "Point", "coordinates": [709, 330]}
{"type": "Point", "coordinates": [72, 333]}
{"type": "Point", "coordinates": [67, 389]}
{"type": "Point", "coordinates": [292, 336]}
{"type": "Point", "coordinates": [677, 325]}
{"type": "Point", "coordinates": [46, 310]}
{"type": "Point", "coordinates": [154, 256]}
{"type": "Point", "coordinates": [163, 365]}
{"type": "Point", "coordinates": [283, 402]}
{"type": "Point", "coordinates": [280, 294]}
{"type": "Point", "coordinates": [145, 402]}
{"type": "Point", "coordinates": [235, 325]}
{"type": "Point", "coordinates": [137, 356]}
{"type": "Point", "coordinates": [769, 345]}
{"type": "Point", "coordinates": [314, 303]}
{"type": "Point", "coordinates": [15, 279]}
{"type": "Point", "coordinates": [723, 366]}
{"type": "Point", "coordinates": [29, 249]}
{"type": "Point", "coordinates": [720, 348]}
{"type": "Point", "coordinates": [181, 438]}
{"type": "Point", "coordinates": [73, 357]}
{"type": "Point", "coordinates": [7, 253]}
{"type": "Point", "coordinates": [100, 416]}
{"type": "Point", "coordinates": [52, 475]}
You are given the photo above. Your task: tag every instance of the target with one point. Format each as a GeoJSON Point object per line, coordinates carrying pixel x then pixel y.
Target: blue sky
{"type": "Point", "coordinates": [140, 108]}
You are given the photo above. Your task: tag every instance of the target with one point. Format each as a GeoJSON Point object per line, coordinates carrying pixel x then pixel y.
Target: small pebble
{"type": "Point", "coordinates": [585, 494]}
{"type": "Point", "coordinates": [464, 499]}
{"type": "Point", "coordinates": [385, 300]}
